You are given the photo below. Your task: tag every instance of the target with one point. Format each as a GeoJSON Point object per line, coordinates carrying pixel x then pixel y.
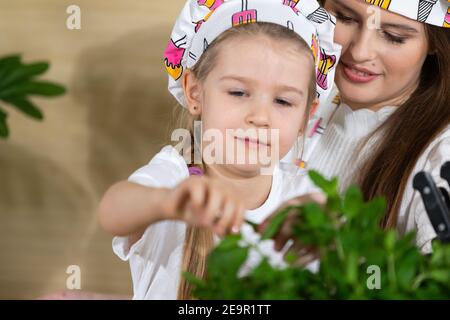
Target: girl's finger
{"type": "Point", "coordinates": [280, 241]}
{"type": "Point", "coordinates": [238, 220]}
{"type": "Point", "coordinates": [213, 205]}
{"type": "Point", "coordinates": [191, 215]}
{"type": "Point", "coordinates": [197, 193]}
{"type": "Point", "coordinates": [304, 258]}
{"type": "Point", "coordinates": [225, 223]}
{"type": "Point", "coordinates": [285, 233]}
{"type": "Point", "coordinates": [307, 198]}
{"type": "Point", "coordinates": [175, 205]}
{"type": "Point", "coordinates": [317, 197]}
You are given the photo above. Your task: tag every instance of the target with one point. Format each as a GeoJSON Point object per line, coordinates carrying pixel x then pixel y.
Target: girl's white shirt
{"type": "Point", "coordinates": [332, 149]}
{"type": "Point", "coordinates": [155, 259]}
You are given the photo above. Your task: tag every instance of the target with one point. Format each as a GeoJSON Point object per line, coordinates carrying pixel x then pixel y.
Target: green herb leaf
{"type": "Point", "coordinates": [22, 73]}
{"type": "Point", "coordinates": [4, 132]}
{"type": "Point", "coordinates": [33, 88]}
{"type": "Point", "coordinates": [25, 106]}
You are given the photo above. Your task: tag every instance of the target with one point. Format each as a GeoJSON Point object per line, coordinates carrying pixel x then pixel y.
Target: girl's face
{"type": "Point", "coordinates": [379, 66]}
{"type": "Point", "coordinates": [255, 97]}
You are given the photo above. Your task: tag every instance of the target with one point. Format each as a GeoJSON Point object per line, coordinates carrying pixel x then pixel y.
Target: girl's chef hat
{"type": "Point", "coordinates": [202, 21]}
{"type": "Point", "coordinates": [435, 12]}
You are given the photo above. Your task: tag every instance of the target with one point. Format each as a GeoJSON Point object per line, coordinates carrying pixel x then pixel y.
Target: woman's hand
{"type": "Point", "coordinates": [306, 254]}
{"type": "Point", "coordinates": [204, 202]}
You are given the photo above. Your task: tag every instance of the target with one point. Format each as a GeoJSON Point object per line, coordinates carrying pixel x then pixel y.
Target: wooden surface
{"type": "Point", "coordinates": [114, 117]}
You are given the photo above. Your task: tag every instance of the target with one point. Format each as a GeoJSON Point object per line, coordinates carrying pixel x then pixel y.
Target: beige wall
{"type": "Point", "coordinates": [112, 120]}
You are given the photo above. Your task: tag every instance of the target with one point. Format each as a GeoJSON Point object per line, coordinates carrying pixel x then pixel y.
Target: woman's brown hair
{"type": "Point", "coordinates": [406, 134]}
{"type": "Point", "coordinates": [199, 241]}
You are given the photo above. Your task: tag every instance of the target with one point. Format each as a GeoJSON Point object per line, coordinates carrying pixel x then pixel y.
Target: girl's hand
{"type": "Point", "coordinates": [306, 254]}
{"type": "Point", "coordinates": [204, 202]}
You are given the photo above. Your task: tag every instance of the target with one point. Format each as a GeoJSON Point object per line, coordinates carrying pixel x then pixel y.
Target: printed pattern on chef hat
{"type": "Point", "coordinates": [435, 12]}
{"type": "Point", "coordinates": [202, 21]}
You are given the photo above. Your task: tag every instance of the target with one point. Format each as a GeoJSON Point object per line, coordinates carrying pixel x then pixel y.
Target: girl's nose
{"type": "Point", "coordinates": [259, 115]}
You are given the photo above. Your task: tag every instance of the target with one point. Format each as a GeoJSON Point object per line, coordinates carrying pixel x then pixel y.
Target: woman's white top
{"type": "Point", "coordinates": [333, 136]}
{"type": "Point", "coordinates": [155, 260]}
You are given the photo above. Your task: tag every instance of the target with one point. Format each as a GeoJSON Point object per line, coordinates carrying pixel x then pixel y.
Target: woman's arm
{"type": "Point", "coordinates": [413, 215]}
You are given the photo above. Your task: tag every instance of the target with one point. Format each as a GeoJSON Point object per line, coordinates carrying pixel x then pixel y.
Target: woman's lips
{"type": "Point", "coordinates": [358, 75]}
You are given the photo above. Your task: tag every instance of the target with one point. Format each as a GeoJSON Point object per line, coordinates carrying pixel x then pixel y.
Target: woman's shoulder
{"type": "Point", "coordinates": [166, 169]}
{"type": "Point", "coordinates": [435, 155]}
{"type": "Point", "coordinates": [437, 151]}
{"type": "Point", "coordinates": [412, 215]}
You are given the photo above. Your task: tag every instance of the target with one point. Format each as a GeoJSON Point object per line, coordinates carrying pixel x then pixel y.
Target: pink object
{"type": "Point", "coordinates": [325, 64]}
{"type": "Point", "coordinates": [314, 128]}
{"type": "Point", "coordinates": [447, 19]}
{"type": "Point", "coordinates": [195, 171]}
{"type": "Point", "coordinates": [292, 4]}
{"type": "Point", "coordinates": [81, 295]}
{"type": "Point", "coordinates": [173, 54]}
{"type": "Point", "coordinates": [198, 25]}
{"type": "Point", "coordinates": [245, 16]}
{"type": "Point", "coordinates": [211, 4]}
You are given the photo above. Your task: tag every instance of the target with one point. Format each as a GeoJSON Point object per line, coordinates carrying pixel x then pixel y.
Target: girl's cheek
{"type": "Point", "coordinates": [287, 139]}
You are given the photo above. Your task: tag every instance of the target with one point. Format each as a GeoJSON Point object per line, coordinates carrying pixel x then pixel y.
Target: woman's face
{"type": "Point", "coordinates": [381, 65]}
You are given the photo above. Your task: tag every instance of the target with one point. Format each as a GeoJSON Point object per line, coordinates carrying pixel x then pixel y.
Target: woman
{"type": "Point", "coordinates": [391, 118]}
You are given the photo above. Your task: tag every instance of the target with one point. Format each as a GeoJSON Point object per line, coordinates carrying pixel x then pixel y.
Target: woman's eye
{"type": "Point", "coordinates": [283, 102]}
{"type": "Point", "coordinates": [236, 93]}
{"type": "Point", "coordinates": [343, 18]}
{"type": "Point", "coordinates": [393, 39]}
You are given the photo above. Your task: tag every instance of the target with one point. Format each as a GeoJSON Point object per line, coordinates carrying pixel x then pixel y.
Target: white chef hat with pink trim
{"type": "Point", "coordinates": [202, 21]}
{"type": "Point", "coordinates": [435, 12]}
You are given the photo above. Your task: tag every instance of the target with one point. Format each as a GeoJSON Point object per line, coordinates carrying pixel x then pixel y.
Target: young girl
{"type": "Point", "coordinates": [247, 70]}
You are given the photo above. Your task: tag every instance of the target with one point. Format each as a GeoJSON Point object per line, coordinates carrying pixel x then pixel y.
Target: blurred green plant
{"type": "Point", "coordinates": [349, 241]}
{"type": "Point", "coordinates": [18, 82]}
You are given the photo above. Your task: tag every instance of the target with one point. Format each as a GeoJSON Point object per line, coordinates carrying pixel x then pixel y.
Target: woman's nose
{"type": "Point", "coordinates": [363, 45]}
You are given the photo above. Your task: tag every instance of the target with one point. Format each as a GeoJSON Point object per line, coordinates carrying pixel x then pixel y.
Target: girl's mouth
{"type": "Point", "coordinates": [252, 142]}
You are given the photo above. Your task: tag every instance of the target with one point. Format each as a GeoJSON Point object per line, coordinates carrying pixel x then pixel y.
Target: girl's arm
{"type": "Point", "coordinates": [128, 208]}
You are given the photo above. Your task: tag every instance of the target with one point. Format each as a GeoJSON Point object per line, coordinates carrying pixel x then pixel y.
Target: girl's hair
{"type": "Point", "coordinates": [199, 241]}
{"type": "Point", "coordinates": [405, 135]}
{"type": "Point", "coordinates": [409, 130]}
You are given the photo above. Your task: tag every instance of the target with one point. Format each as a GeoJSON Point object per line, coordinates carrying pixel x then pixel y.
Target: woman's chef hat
{"type": "Point", "coordinates": [435, 12]}
{"type": "Point", "coordinates": [202, 21]}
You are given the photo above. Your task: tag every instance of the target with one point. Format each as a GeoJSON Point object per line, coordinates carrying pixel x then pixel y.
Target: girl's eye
{"type": "Point", "coordinates": [283, 102]}
{"type": "Point", "coordinates": [236, 93]}
{"type": "Point", "coordinates": [343, 18]}
{"type": "Point", "coordinates": [393, 39]}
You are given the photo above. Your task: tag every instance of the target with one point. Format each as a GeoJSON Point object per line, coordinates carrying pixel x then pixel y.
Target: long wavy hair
{"type": "Point", "coordinates": [406, 134]}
